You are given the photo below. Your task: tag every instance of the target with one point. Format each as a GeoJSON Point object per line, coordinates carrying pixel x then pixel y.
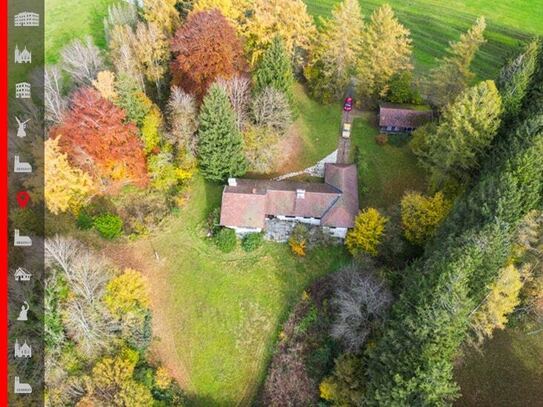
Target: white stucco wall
{"type": "Point", "coordinates": [310, 221]}
{"type": "Point", "coordinates": [244, 231]}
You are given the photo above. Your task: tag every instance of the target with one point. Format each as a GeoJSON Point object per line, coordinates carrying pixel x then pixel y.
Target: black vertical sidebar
{"type": "Point", "coordinates": [26, 202]}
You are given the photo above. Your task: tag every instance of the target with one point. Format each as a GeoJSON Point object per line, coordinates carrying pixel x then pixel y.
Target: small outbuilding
{"type": "Point", "coordinates": [403, 118]}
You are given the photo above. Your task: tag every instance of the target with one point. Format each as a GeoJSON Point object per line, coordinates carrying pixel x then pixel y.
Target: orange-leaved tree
{"type": "Point", "coordinates": [98, 139]}
{"type": "Point", "coordinates": [205, 49]}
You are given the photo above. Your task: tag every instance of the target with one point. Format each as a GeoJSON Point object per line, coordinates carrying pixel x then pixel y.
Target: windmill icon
{"type": "Point", "coordinates": [21, 130]}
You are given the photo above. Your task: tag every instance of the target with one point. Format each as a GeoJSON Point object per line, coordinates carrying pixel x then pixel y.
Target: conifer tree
{"type": "Point", "coordinates": [333, 57]}
{"type": "Point", "coordinates": [386, 50]}
{"type": "Point", "coordinates": [412, 364]}
{"type": "Point", "coordinates": [515, 78]}
{"type": "Point", "coordinates": [220, 150]}
{"type": "Point", "coordinates": [275, 70]}
{"type": "Point", "coordinates": [453, 75]}
{"type": "Point", "coordinates": [466, 129]}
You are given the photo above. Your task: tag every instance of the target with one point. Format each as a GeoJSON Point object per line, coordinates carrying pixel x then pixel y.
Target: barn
{"type": "Point", "coordinates": [402, 118]}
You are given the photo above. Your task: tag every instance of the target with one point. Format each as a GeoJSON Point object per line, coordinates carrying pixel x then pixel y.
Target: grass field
{"type": "Point", "coordinates": [220, 312]}
{"type": "Point", "coordinates": [69, 19]}
{"type": "Point", "coordinates": [385, 172]}
{"type": "Point", "coordinates": [318, 126]}
{"type": "Point", "coordinates": [508, 373]}
{"type": "Point", "coordinates": [433, 23]}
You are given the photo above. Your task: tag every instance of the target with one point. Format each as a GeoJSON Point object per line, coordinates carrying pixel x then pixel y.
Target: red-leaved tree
{"type": "Point", "coordinates": [98, 139]}
{"type": "Point", "coordinates": [206, 48]}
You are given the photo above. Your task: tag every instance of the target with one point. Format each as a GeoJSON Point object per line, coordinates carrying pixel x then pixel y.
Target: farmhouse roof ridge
{"type": "Point", "coordinates": [334, 201]}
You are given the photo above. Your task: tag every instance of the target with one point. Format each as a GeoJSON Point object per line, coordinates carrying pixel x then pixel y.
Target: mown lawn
{"type": "Point", "coordinates": [318, 126]}
{"type": "Point", "coordinates": [433, 23]}
{"type": "Point", "coordinates": [224, 310]}
{"type": "Point", "coordinates": [69, 19]}
{"type": "Point", "coordinates": [509, 372]}
{"type": "Point", "coordinates": [385, 172]}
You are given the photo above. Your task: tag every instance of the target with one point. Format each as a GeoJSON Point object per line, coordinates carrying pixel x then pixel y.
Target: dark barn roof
{"type": "Point", "coordinates": [335, 201]}
{"type": "Point", "coordinates": [403, 116]}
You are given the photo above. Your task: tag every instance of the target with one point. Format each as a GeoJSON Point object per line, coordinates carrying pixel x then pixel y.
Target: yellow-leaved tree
{"type": "Point", "coordinates": [105, 84]}
{"type": "Point", "coordinates": [421, 215]}
{"type": "Point", "coordinates": [162, 13]}
{"type": "Point", "coordinates": [335, 51]}
{"type": "Point", "coordinates": [126, 293]}
{"type": "Point", "coordinates": [233, 10]}
{"type": "Point", "coordinates": [386, 51]}
{"type": "Point", "coordinates": [112, 382]}
{"type": "Point", "coordinates": [66, 188]}
{"type": "Point", "coordinates": [367, 232]}
{"type": "Point", "coordinates": [286, 18]}
{"type": "Point", "coordinates": [453, 74]}
{"type": "Point", "coordinates": [501, 300]}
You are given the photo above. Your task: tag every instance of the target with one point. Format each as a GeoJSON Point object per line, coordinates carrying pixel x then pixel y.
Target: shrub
{"type": "Point", "coordinates": [213, 221]}
{"type": "Point", "coordinates": [84, 221]}
{"type": "Point", "coordinates": [141, 210]}
{"type": "Point", "coordinates": [251, 242]}
{"type": "Point", "coordinates": [260, 148]}
{"type": "Point", "coordinates": [298, 240]}
{"type": "Point", "coordinates": [367, 232]}
{"type": "Point", "coordinates": [108, 225]}
{"type": "Point", "coordinates": [381, 139]}
{"type": "Point", "coordinates": [345, 386]}
{"type": "Point", "coordinates": [226, 240]}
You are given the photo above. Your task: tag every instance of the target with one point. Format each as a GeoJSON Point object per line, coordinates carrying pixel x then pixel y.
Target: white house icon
{"type": "Point", "coordinates": [22, 275]}
{"type": "Point", "coordinates": [22, 351]}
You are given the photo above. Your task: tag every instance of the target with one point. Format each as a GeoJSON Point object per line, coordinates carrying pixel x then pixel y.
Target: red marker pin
{"type": "Point", "coordinates": [22, 198]}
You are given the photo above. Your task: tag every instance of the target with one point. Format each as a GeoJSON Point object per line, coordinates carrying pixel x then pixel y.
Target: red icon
{"type": "Point", "coordinates": [22, 198]}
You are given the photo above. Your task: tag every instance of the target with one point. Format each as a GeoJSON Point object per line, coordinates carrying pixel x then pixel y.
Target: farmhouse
{"type": "Point", "coordinates": [402, 118]}
{"type": "Point", "coordinates": [250, 205]}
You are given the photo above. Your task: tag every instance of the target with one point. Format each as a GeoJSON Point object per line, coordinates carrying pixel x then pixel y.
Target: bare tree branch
{"type": "Point", "coordinates": [82, 60]}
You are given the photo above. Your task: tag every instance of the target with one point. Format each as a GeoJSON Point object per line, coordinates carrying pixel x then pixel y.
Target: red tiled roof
{"type": "Point", "coordinates": [335, 200]}
{"type": "Point", "coordinates": [345, 178]}
{"type": "Point", "coordinates": [403, 117]}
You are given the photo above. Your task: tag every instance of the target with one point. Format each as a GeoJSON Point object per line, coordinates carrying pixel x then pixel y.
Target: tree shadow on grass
{"type": "Point", "coordinates": [504, 374]}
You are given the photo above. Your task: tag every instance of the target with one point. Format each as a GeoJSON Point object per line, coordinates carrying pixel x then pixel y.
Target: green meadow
{"type": "Point", "coordinates": [433, 23]}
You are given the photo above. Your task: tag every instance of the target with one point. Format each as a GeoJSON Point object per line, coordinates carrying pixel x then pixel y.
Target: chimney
{"type": "Point", "coordinates": [300, 193]}
{"type": "Point", "coordinates": [232, 182]}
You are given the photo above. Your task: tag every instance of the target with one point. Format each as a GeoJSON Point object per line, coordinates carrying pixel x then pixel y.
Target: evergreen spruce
{"type": "Point", "coordinates": [465, 131]}
{"type": "Point", "coordinates": [220, 150]}
{"type": "Point", "coordinates": [515, 78]}
{"type": "Point", "coordinates": [275, 70]}
{"type": "Point", "coordinates": [412, 363]}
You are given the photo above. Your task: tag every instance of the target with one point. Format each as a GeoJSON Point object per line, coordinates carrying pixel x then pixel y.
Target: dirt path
{"type": "Point", "coordinates": [140, 256]}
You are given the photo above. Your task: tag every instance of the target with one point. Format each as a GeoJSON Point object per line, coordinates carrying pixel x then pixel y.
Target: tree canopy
{"type": "Point", "coordinates": [453, 74]}
{"type": "Point", "coordinates": [386, 50]}
{"type": "Point", "coordinates": [205, 48]}
{"type": "Point", "coordinates": [97, 139]}
{"type": "Point", "coordinates": [335, 51]}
